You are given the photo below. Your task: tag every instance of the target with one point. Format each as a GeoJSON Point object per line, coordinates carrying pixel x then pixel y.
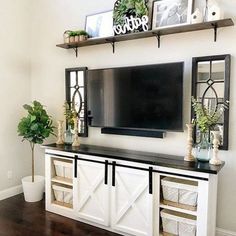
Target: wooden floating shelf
{"type": "Point", "coordinates": [61, 180]}
{"type": "Point", "coordinates": [179, 207]}
{"type": "Point", "coordinates": [151, 33]}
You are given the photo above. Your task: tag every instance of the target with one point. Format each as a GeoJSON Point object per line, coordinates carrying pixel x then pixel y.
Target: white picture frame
{"type": "Point", "coordinates": [100, 25]}
{"type": "Point", "coordinates": [171, 13]}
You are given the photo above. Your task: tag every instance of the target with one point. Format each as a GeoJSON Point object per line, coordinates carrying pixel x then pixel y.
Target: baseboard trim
{"type": "Point", "coordinates": [223, 232]}
{"type": "Point", "coordinates": [10, 192]}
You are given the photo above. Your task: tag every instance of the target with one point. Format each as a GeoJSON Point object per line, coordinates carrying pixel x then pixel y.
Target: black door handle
{"type": "Point", "coordinates": [75, 166]}
{"type": "Point", "coordinates": [150, 180]}
{"type": "Point", "coordinates": [106, 173]}
{"type": "Point", "coordinates": [113, 173]}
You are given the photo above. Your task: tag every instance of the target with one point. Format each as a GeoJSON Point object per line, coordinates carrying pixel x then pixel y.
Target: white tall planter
{"type": "Point", "coordinates": [33, 191]}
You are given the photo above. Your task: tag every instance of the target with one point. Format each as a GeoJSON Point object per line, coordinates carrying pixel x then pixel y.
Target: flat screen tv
{"type": "Point", "coordinates": [146, 97]}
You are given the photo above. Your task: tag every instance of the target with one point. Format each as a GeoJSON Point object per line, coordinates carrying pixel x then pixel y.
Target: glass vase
{"type": "Point", "coordinates": [203, 148]}
{"type": "Point", "coordinates": [68, 136]}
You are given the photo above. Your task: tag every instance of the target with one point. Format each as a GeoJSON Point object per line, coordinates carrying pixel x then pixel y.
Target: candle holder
{"type": "Point", "coordinates": [76, 142]}
{"type": "Point", "coordinates": [189, 157]}
{"type": "Point", "coordinates": [60, 139]}
{"type": "Point", "coordinates": [216, 142]}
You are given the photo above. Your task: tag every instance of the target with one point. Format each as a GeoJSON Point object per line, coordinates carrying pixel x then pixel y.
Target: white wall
{"type": "Point", "coordinates": [14, 90]}
{"type": "Point", "coordinates": [51, 18]}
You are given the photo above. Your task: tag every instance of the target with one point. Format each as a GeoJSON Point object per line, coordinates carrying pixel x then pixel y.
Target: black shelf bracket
{"type": "Point", "coordinates": [158, 36]}
{"type": "Point", "coordinates": [215, 31]}
{"type": "Point", "coordinates": [76, 51]}
{"type": "Point", "coordinates": [112, 42]}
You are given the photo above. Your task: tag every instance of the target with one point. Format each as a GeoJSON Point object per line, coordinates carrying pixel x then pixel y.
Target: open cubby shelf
{"type": "Point", "coordinates": [63, 204]}
{"type": "Point", "coordinates": [189, 211]}
{"type": "Point", "coordinates": [61, 180]}
{"type": "Point", "coordinates": [151, 33]}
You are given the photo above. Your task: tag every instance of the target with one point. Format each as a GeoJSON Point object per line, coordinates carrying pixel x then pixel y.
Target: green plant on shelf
{"type": "Point", "coordinates": [137, 8]}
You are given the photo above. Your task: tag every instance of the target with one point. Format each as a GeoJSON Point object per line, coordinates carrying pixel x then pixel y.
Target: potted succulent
{"type": "Point", "coordinates": [73, 36]}
{"type": "Point", "coordinates": [35, 128]}
{"type": "Point", "coordinates": [83, 35]}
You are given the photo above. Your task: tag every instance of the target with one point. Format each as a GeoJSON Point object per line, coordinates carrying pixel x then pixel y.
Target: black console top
{"type": "Point", "coordinates": [170, 161]}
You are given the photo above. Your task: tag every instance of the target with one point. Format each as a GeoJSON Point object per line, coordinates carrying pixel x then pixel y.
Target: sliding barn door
{"type": "Point", "coordinates": [131, 202]}
{"type": "Point", "coordinates": [92, 192]}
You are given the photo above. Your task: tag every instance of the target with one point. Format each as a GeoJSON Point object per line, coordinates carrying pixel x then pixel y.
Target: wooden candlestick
{"type": "Point", "coordinates": [60, 139]}
{"type": "Point", "coordinates": [216, 142]}
{"type": "Point", "coordinates": [76, 142]}
{"type": "Point", "coordinates": [189, 156]}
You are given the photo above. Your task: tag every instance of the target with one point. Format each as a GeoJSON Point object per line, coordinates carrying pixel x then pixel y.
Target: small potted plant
{"type": "Point", "coordinates": [35, 128]}
{"type": "Point", "coordinates": [66, 36]}
{"type": "Point", "coordinates": [83, 35]}
{"type": "Point", "coordinates": [73, 36]}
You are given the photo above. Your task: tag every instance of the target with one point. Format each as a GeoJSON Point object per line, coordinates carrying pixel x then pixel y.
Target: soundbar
{"type": "Point", "coordinates": [134, 132]}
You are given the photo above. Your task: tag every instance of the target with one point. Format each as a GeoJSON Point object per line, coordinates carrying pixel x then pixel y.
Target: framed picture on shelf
{"type": "Point", "coordinates": [169, 13]}
{"type": "Point", "coordinates": [100, 25]}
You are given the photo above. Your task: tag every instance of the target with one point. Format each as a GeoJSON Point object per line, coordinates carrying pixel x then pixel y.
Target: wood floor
{"type": "Point", "coordinates": [18, 218]}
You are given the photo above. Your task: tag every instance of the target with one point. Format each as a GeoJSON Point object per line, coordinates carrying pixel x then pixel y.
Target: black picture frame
{"type": "Point", "coordinates": [68, 88]}
{"type": "Point", "coordinates": [227, 59]}
{"type": "Point", "coordinates": [162, 25]}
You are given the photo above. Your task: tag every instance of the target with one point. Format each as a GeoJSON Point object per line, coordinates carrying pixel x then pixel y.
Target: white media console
{"type": "Point", "coordinates": [120, 190]}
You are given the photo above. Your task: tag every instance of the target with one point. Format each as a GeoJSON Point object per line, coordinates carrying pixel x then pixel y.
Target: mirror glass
{"type": "Point", "coordinates": [76, 96]}
{"type": "Point", "coordinates": [210, 86]}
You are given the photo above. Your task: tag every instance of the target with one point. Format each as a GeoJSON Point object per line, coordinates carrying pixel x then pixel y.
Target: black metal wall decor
{"type": "Point", "coordinates": [211, 88]}
{"type": "Point", "coordinates": [76, 96]}
{"type": "Point", "coordinates": [130, 16]}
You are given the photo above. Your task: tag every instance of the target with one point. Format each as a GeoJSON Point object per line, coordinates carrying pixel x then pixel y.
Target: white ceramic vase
{"type": "Point", "coordinates": [33, 191]}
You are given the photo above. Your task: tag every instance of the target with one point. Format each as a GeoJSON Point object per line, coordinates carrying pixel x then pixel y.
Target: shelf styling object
{"type": "Point", "coordinates": [196, 17]}
{"type": "Point", "coordinates": [69, 115]}
{"type": "Point", "coordinates": [63, 195]}
{"type": "Point", "coordinates": [66, 36]}
{"type": "Point", "coordinates": [214, 12]}
{"type": "Point", "coordinates": [176, 223]}
{"type": "Point", "coordinates": [60, 139]}
{"type": "Point", "coordinates": [130, 16]}
{"type": "Point", "coordinates": [189, 156]}
{"type": "Point", "coordinates": [83, 35]}
{"type": "Point", "coordinates": [206, 119]}
{"type": "Point", "coordinates": [205, 19]}
{"type": "Point", "coordinates": [216, 142]}
{"type": "Point", "coordinates": [76, 142]}
{"type": "Point", "coordinates": [203, 147]}
{"type": "Point", "coordinates": [180, 193]}
{"type": "Point", "coordinates": [63, 169]}
{"type": "Point", "coordinates": [35, 128]}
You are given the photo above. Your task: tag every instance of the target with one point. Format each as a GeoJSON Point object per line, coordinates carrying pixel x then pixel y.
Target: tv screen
{"type": "Point", "coordinates": [140, 97]}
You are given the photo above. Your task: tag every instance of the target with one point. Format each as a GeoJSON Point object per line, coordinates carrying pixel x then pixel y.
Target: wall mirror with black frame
{"type": "Point", "coordinates": [211, 88]}
{"type": "Point", "coordinates": [76, 96]}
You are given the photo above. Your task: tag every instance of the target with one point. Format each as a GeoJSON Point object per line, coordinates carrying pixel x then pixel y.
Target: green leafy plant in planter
{"type": "Point", "coordinates": [69, 114]}
{"type": "Point", "coordinates": [83, 35]}
{"type": "Point", "coordinates": [205, 119]}
{"type": "Point", "coordinates": [123, 8]}
{"type": "Point", "coordinates": [78, 35]}
{"type": "Point", "coordinates": [35, 127]}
